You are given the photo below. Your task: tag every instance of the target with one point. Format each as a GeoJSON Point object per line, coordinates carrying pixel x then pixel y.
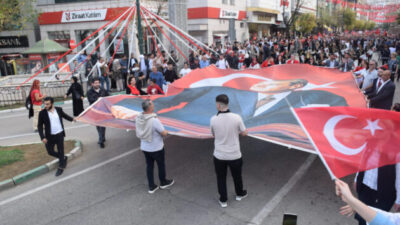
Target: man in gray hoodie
{"type": "Point", "coordinates": [150, 131]}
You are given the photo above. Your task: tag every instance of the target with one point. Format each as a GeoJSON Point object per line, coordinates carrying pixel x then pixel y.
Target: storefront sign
{"type": "Point", "coordinates": [53, 55]}
{"type": "Point", "coordinates": [14, 42]}
{"type": "Point", "coordinates": [229, 14]}
{"type": "Point", "coordinates": [35, 57]}
{"type": "Point", "coordinates": [84, 15]}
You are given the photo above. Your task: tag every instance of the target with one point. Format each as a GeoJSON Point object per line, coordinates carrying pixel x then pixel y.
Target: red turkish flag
{"type": "Point", "coordinates": [351, 139]}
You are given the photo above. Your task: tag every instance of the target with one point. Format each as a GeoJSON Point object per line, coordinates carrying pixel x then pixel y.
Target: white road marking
{"type": "Point", "coordinates": [267, 209]}
{"type": "Point", "coordinates": [31, 134]}
{"type": "Point", "coordinates": [40, 188]}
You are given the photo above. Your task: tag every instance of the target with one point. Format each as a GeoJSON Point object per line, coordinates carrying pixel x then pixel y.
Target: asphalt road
{"type": "Point", "coordinates": [108, 186]}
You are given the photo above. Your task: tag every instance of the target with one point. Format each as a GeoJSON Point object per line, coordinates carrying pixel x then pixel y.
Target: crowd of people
{"type": "Point", "coordinates": [341, 52]}
{"type": "Point", "coordinates": [374, 61]}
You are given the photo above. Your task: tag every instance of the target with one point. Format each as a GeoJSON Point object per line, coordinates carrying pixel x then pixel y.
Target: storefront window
{"type": "Point", "coordinates": [61, 37]}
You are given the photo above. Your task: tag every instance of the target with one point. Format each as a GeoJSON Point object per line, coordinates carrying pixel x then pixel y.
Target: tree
{"type": "Point", "coordinates": [360, 25]}
{"type": "Point", "coordinates": [349, 18]}
{"type": "Point", "coordinates": [398, 18]}
{"type": "Point", "coordinates": [16, 14]}
{"type": "Point", "coordinates": [369, 25]}
{"type": "Point", "coordinates": [290, 21]}
{"type": "Point", "coordinates": [306, 23]}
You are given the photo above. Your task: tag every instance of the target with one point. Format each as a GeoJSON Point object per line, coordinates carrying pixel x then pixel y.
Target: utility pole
{"type": "Point", "coordinates": [139, 26]}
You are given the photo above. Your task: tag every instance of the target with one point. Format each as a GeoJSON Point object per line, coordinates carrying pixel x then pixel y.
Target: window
{"type": "Point", "coordinates": [241, 25]}
{"type": "Point", "coordinates": [232, 2]}
{"type": "Point", "coordinates": [224, 1]}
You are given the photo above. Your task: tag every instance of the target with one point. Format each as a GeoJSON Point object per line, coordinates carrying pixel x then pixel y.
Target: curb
{"type": "Point", "coordinates": [38, 171]}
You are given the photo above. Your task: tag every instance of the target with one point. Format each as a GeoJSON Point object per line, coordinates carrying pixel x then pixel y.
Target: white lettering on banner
{"type": "Point", "coordinates": [84, 15]}
{"type": "Point", "coordinates": [229, 14]}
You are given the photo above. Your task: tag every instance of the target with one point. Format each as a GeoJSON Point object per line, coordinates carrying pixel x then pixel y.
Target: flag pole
{"type": "Point", "coordinates": [333, 177]}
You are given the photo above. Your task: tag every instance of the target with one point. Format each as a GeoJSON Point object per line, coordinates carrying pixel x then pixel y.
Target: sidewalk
{"type": "Point", "coordinates": [55, 103]}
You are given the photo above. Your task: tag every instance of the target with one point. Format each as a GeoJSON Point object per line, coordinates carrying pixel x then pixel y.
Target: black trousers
{"type": "Point", "coordinates": [370, 198]}
{"type": "Point", "coordinates": [58, 140]}
{"type": "Point", "coordinates": [221, 169]}
{"type": "Point", "coordinates": [102, 134]}
{"type": "Point", "coordinates": [159, 157]}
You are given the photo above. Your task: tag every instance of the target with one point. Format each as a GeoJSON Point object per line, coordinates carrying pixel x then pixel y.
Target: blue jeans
{"type": "Point", "coordinates": [159, 157]}
{"type": "Point", "coordinates": [102, 79]}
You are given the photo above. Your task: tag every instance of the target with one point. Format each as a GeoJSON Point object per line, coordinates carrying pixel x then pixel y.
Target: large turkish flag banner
{"type": "Point", "coordinates": [350, 139]}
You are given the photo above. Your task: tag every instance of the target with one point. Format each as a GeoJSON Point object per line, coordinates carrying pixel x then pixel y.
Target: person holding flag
{"type": "Point", "coordinates": [372, 150]}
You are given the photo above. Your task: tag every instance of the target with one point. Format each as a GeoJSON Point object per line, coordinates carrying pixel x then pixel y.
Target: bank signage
{"type": "Point", "coordinates": [229, 14]}
{"type": "Point", "coordinates": [14, 42]}
{"type": "Point", "coordinates": [84, 15]}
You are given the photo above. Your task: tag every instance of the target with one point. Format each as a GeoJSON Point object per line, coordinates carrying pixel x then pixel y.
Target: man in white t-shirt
{"type": "Point", "coordinates": [222, 63]}
{"type": "Point", "coordinates": [185, 70]}
{"type": "Point", "coordinates": [150, 131]}
{"type": "Point", "coordinates": [369, 75]}
{"type": "Point", "coordinates": [226, 127]}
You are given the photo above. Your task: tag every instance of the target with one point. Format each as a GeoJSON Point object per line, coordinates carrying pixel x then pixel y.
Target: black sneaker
{"type": "Point", "coordinates": [166, 184]}
{"type": "Point", "coordinates": [153, 189]}
{"type": "Point", "coordinates": [102, 145]}
{"type": "Point", "coordinates": [240, 197]}
{"type": "Point", "coordinates": [59, 172]}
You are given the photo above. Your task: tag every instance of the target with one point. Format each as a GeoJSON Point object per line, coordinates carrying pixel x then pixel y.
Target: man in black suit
{"type": "Point", "coordinates": [51, 118]}
{"type": "Point", "coordinates": [377, 187]}
{"type": "Point", "coordinates": [381, 94]}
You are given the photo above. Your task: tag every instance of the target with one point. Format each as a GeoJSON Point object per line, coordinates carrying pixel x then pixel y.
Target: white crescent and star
{"type": "Point", "coordinates": [329, 130]}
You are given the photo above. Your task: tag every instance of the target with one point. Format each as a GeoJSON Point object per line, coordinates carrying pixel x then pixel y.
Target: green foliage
{"type": "Point", "coordinates": [8, 157]}
{"type": "Point", "coordinates": [306, 23]}
{"type": "Point", "coordinates": [360, 25]}
{"type": "Point", "coordinates": [16, 14]}
{"type": "Point", "coordinates": [349, 18]}
{"type": "Point", "coordinates": [325, 18]}
{"type": "Point", "coordinates": [398, 18]}
{"type": "Point", "coordinates": [369, 25]}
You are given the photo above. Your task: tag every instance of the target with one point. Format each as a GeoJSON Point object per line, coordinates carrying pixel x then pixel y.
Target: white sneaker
{"type": "Point", "coordinates": [239, 198]}
{"type": "Point", "coordinates": [223, 204]}
{"type": "Point", "coordinates": [167, 184]}
{"type": "Point", "coordinates": [151, 191]}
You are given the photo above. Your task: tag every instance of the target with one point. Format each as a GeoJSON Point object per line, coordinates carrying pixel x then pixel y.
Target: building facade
{"type": "Point", "coordinates": [264, 17]}
{"type": "Point", "coordinates": [208, 20]}
{"type": "Point", "coordinates": [13, 43]}
{"type": "Point", "coordinates": [74, 20]}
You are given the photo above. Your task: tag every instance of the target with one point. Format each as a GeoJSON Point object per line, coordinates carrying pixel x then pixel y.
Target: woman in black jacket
{"type": "Point", "coordinates": [77, 96]}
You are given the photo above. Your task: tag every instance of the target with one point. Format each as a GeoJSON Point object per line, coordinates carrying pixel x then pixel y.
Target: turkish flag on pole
{"type": "Point", "coordinates": [349, 139]}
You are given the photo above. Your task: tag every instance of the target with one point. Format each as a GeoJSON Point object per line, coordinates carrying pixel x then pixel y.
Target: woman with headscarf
{"type": "Point", "coordinates": [36, 100]}
{"type": "Point", "coordinates": [77, 96]}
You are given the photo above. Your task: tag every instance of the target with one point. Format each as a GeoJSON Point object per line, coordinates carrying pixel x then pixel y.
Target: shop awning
{"type": "Point", "coordinates": [46, 46]}
{"type": "Point", "coordinates": [265, 10]}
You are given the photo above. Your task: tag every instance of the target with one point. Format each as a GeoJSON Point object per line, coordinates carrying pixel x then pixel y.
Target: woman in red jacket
{"type": "Point", "coordinates": [268, 62]}
{"type": "Point", "coordinates": [132, 86]}
{"type": "Point", "coordinates": [36, 99]}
